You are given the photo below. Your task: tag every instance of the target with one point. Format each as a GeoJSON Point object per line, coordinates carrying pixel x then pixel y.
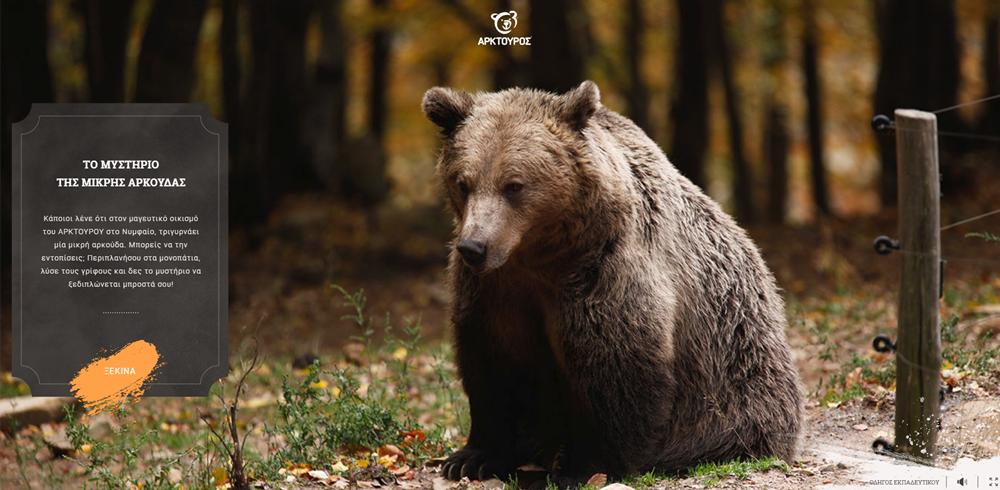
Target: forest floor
{"type": "Point", "coordinates": [839, 295]}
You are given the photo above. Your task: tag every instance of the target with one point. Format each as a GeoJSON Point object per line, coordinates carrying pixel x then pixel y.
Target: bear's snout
{"type": "Point", "coordinates": [473, 253]}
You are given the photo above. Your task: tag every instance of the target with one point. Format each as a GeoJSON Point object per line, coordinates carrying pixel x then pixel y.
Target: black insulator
{"type": "Point", "coordinates": [885, 245]}
{"type": "Point", "coordinates": [882, 124]}
{"type": "Point", "coordinates": [883, 343]}
{"type": "Point", "coordinates": [882, 446]}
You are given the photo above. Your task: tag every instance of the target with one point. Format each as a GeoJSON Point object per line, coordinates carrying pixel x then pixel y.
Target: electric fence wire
{"type": "Point", "coordinates": [974, 102]}
{"type": "Point", "coordinates": [891, 126]}
{"type": "Point", "coordinates": [949, 258]}
{"type": "Point", "coordinates": [969, 220]}
{"type": "Point", "coordinates": [951, 134]}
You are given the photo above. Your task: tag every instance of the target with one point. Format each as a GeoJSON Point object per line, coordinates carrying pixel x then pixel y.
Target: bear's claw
{"type": "Point", "coordinates": [476, 465]}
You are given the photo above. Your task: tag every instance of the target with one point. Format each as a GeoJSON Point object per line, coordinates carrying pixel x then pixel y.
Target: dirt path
{"type": "Point", "coordinates": [836, 451]}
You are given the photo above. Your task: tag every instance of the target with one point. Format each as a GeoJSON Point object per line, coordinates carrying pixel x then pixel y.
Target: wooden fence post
{"type": "Point", "coordinates": [918, 343]}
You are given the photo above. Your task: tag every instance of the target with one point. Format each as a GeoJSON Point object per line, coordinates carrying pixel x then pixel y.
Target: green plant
{"type": "Point", "coordinates": [128, 460]}
{"type": "Point", "coordinates": [512, 484]}
{"type": "Point", "coordinates": [643, 481]}
{"type": "Point", "coordinates": [822, 332]}
{"type": "Point", "coordinates": [23, 455]}
{"type": "Point", "coordinates": [741, 469]}
{"type": "Point", "coordinates": [350, 412]}
{"type": "Point", "coordinates": [989, 237]}
{"type": "Point", "coordinates": [233, 448]}
{"type": "Point", "coordinates": [975, 357]}
{"type": "Point", "coordinates": [866, 369]}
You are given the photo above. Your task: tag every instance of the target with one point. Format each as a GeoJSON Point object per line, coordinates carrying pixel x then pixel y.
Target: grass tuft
{"type": "Point", "coordinates": [740, 469]}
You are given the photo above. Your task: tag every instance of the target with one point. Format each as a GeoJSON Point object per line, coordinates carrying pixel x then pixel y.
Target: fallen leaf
{"type": "Point", "coordinates": [219, 476]}
{"type": "Point", "coordinates": [860, 427]}
{"type": "Point", "coordinates": [318, 475]}
{"type": "Point", "coordinates": [598, 480]}
{"type": "Point", "coordinates": [390, 450]}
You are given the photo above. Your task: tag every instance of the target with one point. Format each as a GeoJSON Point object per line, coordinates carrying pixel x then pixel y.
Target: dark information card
{"type": "Point", "coordinates": [120, 241]}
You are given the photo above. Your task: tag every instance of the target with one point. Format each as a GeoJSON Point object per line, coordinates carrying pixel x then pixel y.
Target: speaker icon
{"type": "Point", "coordinates": [962, 481]}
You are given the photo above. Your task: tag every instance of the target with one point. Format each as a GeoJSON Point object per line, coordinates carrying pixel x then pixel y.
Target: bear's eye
{"type": "Point", "coordinates": [462, 186]}
{"type": "Point", "coordinates": [513, 188]}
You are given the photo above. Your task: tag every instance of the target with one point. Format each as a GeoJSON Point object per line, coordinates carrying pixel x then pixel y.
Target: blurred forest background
{"type": "Point", "coordinates": [764, 103]}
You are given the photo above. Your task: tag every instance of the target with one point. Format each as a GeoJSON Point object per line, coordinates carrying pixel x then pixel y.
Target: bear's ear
{"type": "Point", "coordinates": [578, 105]}
{"type": "Point", "coordinates": [447, 108]}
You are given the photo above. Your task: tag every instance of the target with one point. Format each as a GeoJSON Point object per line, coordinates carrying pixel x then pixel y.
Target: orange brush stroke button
{"type": "Point", "coordinates": [107, 381]}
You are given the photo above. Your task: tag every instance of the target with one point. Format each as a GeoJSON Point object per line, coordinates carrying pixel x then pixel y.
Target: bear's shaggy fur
{"type": "Point", "coordinates": [609, 317]}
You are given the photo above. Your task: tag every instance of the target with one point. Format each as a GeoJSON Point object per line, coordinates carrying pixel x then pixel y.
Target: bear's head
{"type": "Point", "coordinates": [510, 167]}
{"type": "Point", "coordinates": [504, 21]}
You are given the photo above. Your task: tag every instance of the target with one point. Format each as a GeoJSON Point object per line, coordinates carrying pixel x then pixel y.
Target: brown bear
{"type": "Point", "coordinates": [608, 316]}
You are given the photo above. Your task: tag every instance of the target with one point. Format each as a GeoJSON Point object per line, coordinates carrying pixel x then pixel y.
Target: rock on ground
{"type": "Point", "coordinates": [27, 410]}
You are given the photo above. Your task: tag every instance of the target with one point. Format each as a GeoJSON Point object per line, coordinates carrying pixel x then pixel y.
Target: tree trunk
{"type": "Point", "coordinates": [638, 97]}
{"type": "Point", "coordinates": [26, 79]}
{"type": "Point", "coordinates": [287, 155]}
{"type": "Point", "coordinates": [106, 28]}
{"type": "Point", "coordinates": [689, 110]}
{"type": "Point", "coordinates": [815, 122]}
{"type": "Point", "coordinates": [990, 123]}
{"type": "Point", "coordinates": [743, 180]}
{"type": "Point", "coordinates": [918, 69]}
{"type": "Point", "coordinates": [272, 155]}
{"type": "Point", "coordinates": [775, 135]}
{"type": "Point", "coordinates": [327, 112]}
{"type": "Point", "coordinates": [556, 64]}
{"type": "Point", "coordinates": [231, 71]}
{"type": "Point", "coordinates": [378, 88]}
{"type": "Point", "coordinates": [251, 198]}
{"type": "Point", "coordinates": [166, 63]}
{"type": "Point", "coordinates": [365, 158]}
{"type": "Point", "coordinates": [777, 156]}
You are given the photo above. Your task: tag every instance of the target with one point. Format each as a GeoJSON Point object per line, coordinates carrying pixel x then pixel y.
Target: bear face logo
{"type": "Point", "coordinates": [504, 21]}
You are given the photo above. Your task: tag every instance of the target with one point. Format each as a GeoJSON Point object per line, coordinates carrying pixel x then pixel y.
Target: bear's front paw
{"type": "Point", "coordinates": [477, 465]}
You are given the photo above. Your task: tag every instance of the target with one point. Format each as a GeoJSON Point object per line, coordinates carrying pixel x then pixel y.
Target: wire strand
{"type": "Point", "coordinates": [951, 108]}
{"type": "Point", "coordinates": [921, 367]}
{"type": "Point", "coordinates": [949, 258]}
{"type": "Point", "coordinates": [953, 134]}
{"type": "Point", "coordinates": [976, 322]}
{"type": "Point", "coordinates": [974, 218]}
{"type": "Point", "coordinates": [970, 136]}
